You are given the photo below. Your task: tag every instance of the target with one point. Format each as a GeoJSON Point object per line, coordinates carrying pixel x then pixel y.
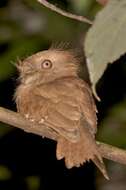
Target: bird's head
{"type": "Point", "coordinates": [48, 65]}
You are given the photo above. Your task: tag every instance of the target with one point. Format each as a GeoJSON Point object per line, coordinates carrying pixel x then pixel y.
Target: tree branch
{"type": "Point", "coordinates": [112, 153]}
{"type": "Point", "coordinates": [64, 13]}
{"type": "Point", "coordinates": [16, 120]}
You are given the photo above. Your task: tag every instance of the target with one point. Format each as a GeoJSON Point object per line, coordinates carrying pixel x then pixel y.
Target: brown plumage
{"type": "Point", "coordinates": [52, 94]}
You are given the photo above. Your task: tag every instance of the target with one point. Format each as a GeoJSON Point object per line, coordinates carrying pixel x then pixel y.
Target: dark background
{"type": "Point", "coordinates": [27, 161]}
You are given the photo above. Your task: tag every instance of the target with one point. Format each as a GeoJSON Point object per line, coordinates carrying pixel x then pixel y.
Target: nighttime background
{"type": "Point", "coordinates": [27, 161]}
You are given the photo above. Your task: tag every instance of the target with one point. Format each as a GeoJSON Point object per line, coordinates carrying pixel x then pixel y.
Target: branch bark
{"type": "Point", "coordinates": [112, 153]}
{"type": "Point", "coordinates": [64, 13]}
{"type": "Point", "coordinates": [16, 120]}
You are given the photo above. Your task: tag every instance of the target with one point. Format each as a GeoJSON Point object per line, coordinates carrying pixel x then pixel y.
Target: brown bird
{"type": "Point", "coordinates": [51, 93]}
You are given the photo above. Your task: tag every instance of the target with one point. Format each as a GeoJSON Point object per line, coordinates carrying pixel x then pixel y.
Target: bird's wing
{"type": "Point", "coordinates": [88, 106]}
{"type": "Point", "coordinates": [83, 99]}
{"type": "Point", "coordinates": [65, 107]}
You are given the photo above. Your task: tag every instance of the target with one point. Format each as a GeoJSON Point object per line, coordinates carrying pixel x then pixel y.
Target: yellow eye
{"type": "Point", "coordinates": [46, 64]}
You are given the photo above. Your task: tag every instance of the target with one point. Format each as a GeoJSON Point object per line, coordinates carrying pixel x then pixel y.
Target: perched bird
{"type": "Point", "coordinates": [51, 93]}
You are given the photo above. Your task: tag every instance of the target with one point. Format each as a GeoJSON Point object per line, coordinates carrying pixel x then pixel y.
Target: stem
{"type": "Point", "coordinates": [112, 153]}
{"type": "Point", "coordinates": [64, 13]}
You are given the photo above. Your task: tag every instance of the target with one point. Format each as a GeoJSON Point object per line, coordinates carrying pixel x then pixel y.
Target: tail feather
{"type": "Point", "coordinates": [78, 153]}
{"type": "Point", "coordinates": [100, 164]}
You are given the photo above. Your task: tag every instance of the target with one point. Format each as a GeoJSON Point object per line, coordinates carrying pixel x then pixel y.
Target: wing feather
{"type": "Point", "coordinates": [69, 102]}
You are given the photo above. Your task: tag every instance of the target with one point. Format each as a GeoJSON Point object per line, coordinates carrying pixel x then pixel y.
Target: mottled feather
{"type": "Point", "coordinates": [51, 93]}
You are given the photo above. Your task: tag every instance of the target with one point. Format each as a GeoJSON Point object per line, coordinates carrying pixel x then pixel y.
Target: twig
{"type": "Point", "coordinates": [16, 120]}
{"type": "Point", "coordinates": [112, 153]}
{"type": "Point", "coordinates": [64, 13]}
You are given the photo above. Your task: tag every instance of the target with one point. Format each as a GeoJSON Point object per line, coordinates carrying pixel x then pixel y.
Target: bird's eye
{"type": "Point", "coordinates": [46, 64]}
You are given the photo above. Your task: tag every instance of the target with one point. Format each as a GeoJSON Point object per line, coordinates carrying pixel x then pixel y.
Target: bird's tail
{"type": "Point", "coordinates": [100, 164]}
{"type": "Point", "coordinates": [76, 154]}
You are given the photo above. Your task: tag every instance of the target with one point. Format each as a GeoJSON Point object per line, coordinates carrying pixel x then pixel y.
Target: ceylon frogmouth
{"type": "Point", "coordinates": [51, 93]}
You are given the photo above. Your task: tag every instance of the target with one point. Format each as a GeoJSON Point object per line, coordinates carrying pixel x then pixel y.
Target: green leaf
{"type": "Point", "coordinates": [5, 129]}
{"type": "Point", "coordinates": [33, 182]}
{"type": "Point", "coordinates": [106, 39]}
{"type": "Point", "coordinates": [82, 6]}
{"type": "Point", "coordinates": [5, 173]}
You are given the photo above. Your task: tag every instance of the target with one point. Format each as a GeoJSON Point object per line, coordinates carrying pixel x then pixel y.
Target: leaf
{"type": "Point", "coordinates": [5, 173]}
{"type": "Point", "coordinates": [5, 129]}
{"type": "Point", "coordinates": [82, 6]}
{"type": "Point", "coordinates": [33, 182]}
{"type": "Point", "coordinates": [106, 39]}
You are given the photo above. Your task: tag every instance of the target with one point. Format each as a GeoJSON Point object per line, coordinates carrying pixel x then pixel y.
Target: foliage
{"type": "Point", "coordinates": [5, 173]}
{"type": "Point", "coordinates": [105, 41]}
{"type": "Point", "coordinates": [33, 182]}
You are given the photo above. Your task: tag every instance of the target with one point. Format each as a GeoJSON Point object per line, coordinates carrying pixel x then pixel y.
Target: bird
{"type": "Point", "coordinates": [52, 94]}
